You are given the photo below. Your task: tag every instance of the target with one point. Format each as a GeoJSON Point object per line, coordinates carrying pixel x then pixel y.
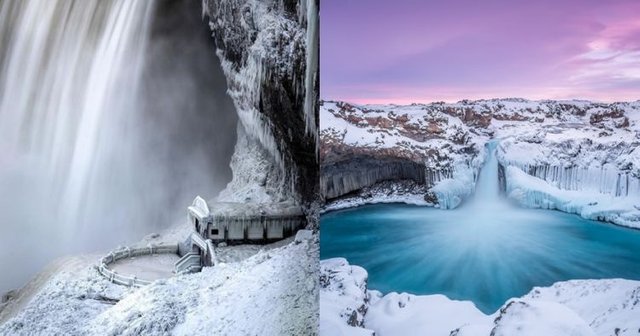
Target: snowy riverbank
{"type": "Point", "coordinates": [576, 307]}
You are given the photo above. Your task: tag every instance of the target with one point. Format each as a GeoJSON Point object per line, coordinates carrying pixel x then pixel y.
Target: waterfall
{"type": "Point", "coordinates": [487, 186]}
{"type": "Point", "coordinates": [487, 205]}
{"type": "Point", "coordinates": [113, 115]}
{"type": "Point", "coordinates": [69, 78]}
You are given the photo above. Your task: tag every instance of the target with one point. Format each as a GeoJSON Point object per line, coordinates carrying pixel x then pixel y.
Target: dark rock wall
{"type": "Point", "coordinates": [282, 52]}
{"type": "Point", "coordinates": [343, 177]}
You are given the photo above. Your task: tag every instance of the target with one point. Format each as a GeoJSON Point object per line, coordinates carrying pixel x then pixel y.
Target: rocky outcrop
{"type": "Point", "coordinates": [361, 146]}
{"type": "Point", "coordinates": [263, 47]}
{"type": "Point", "coordinates": [343, 177]}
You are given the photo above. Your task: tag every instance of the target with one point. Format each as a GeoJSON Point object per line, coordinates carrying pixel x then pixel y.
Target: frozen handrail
{"type": "Point", "coordinates": [127, 252]}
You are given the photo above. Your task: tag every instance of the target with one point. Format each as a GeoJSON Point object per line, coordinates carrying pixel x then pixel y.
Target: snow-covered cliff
{"type": "Point", "coordinates": [270, 60]}
{"type": "Point", "coordinates": [584, 161]}
{"type": "Point", "coordinates": [575, 147]}
{"type": "Point", "coordinates": [425, 146]}
{"type": "Point", "coordinates": [576, 307]}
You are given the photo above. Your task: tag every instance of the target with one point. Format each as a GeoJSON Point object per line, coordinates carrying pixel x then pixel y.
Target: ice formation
{"type": "Point", "coordinates": [534, 192]}
{"type": "Point", "coordinates": [263, 49]}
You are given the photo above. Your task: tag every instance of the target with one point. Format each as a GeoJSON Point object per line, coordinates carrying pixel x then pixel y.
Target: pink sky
{"type": "Point", "coordinates": [403, 51]}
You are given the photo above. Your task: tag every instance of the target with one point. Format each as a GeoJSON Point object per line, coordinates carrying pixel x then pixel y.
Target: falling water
{"type": "Point", "coordinates": [71, 69]}
{"type": "Point", "coordinates": [487, 187]}
{"type": "Point", "coordinates": [69, 77]}
{"type": "Point", "coordinates": [105, 133]}
{"type": "Point", "coordinates": [486, 200]}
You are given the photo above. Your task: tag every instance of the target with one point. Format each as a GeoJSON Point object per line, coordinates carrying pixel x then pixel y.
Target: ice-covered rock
{"type": "Point", "coordinates": [263, 48]}
{"type": "Point", "coordinates": [406, 314]}
{"type": "Point", "coordinates": [539, 318]}
{"type": "Point", "coordinates": [343, 298]}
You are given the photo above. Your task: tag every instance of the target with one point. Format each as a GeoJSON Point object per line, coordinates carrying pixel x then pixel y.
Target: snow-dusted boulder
{"type": "Point", "coordinates": [539, 318]}
{"type": "Point", "coordinates": [406, 314]}
{"type": "Point", "coordinates": [343, 298]}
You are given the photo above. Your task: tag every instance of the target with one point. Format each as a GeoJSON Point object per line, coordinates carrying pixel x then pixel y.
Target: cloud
{"type": "Point", "coordinates": [451, 50]}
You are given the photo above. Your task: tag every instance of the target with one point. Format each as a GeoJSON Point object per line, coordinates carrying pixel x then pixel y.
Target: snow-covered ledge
{"type": "Point", "coordinates": [530, 191]}
{"type": "Point", "coordinates": [576, 307]}
{"type": "Point", "coordinates": [595, 178]}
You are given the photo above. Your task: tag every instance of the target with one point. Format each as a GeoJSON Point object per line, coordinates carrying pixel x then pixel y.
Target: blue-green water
{"type": "Point", "coordinates": [486, 255]}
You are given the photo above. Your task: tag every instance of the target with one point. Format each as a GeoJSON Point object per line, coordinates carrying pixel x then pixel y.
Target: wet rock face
{"type": "Point", "coordinates": [267, 40]}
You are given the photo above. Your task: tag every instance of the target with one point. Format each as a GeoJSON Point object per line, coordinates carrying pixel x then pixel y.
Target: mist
{"type": "Point", "coordinates": [105, 138]}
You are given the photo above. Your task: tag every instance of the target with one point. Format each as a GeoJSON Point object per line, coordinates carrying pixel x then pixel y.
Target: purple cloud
{"type": "Point", "coordinates": [419, 51]}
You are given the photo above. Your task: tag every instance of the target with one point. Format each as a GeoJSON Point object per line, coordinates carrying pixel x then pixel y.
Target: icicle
{"type": "Point", "coordinates": [310, 99]}
{"type": "Point", "coordinates": [205, 9]}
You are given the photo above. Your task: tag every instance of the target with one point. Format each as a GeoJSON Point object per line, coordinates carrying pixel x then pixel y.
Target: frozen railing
{"type": "Point", "coordinates": [194, 261]}
{"type": "Point", "coordinates": [127, 252]}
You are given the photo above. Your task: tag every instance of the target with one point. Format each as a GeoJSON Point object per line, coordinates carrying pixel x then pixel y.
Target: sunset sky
{"type": "Point", "coordinates": [403, 51]}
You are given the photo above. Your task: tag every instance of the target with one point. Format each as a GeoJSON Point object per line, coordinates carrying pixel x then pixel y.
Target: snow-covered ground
{"type": "Point", "coordinates": [147, 267]}
{"type": "Point", "coordinates": [273, 292]}
{"type": "Point", "coordinates": [571, 308]}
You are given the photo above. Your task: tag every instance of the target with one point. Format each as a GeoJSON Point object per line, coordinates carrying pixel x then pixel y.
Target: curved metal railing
{"type": "Point", "coordinates": [127, 252]}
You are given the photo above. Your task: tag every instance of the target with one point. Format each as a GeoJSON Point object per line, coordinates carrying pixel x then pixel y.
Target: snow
{"type": "Point", "coordinates": [406, 314]}
{"type": "Point", "coordinates": [147, 267]}
{"type": "Point", "coordinates": [606, 305]}
{"type": "Point", "coordinates": [256, 177]}
{"type": "Point", "coordinates": [343, 298]}
{"type": "Point", "coordinates": [452, 191]}
{"type": "Point", "coordinates": [533, 192]}
{"type": "Point", "coordinates": [572, 308]}
{"type": "Point", "coordinates": [273, 292]}
{"type": "Point", "coordinates": [401, 191]}
{"type": "Point", "coordinates": [539, 318]}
